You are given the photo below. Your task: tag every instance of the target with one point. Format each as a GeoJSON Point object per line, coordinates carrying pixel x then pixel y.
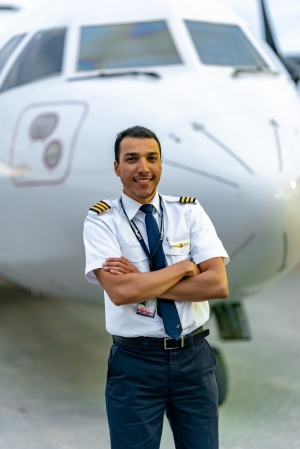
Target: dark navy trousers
{"type": "Point", "coordinates": [143, 384]}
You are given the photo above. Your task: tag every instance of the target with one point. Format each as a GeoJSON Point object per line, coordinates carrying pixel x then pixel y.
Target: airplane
{"type": "Point", "coordinates": [8, 13]}
{"type": "Point", "coordinates": [291, 63]}
{"type": "Point", "coordinates": [221, 102]}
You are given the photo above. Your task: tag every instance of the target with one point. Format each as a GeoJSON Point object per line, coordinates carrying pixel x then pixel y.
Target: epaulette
{"type": "Point", "coordinates": [100, 207]}
{"type": "Point", "coordinates": [187, 199]}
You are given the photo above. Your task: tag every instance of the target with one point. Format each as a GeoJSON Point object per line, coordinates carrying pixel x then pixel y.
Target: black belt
{"type": "Point", "coordinates": [165, 343]}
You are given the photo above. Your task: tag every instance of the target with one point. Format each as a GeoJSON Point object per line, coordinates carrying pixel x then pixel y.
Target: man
{"type": "Point", "coordinates": [159, 260]}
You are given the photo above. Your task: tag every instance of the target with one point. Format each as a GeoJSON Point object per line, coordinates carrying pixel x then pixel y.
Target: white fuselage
{"type": "Point", "coordinates": [231, 141]}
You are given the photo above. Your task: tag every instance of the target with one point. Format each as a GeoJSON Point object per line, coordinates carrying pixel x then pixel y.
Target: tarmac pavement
{"type": "Point", "coordinates": [53, 357]}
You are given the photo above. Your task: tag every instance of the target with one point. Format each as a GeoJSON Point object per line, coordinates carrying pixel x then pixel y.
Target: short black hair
{"type": "Point", "coordinates": [138, 132]}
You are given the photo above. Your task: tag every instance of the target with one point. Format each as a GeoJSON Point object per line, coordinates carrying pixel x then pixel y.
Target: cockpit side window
{"type": "Point", "coordinates": [9, 48]}
{"type": "Point", "coordinates": [222, 44]}
{"type": "Point", "coordinates": [42, 57]}
{"type": "Point", "coordinates": [126, 45]}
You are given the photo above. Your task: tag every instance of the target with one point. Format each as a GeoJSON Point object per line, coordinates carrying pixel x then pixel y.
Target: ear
{"type": "Point", "coordinates": [116, 167]}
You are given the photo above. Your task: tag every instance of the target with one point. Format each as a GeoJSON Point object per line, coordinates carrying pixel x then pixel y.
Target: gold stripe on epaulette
{"type": "Point", "coordinates": [100, 207]}
{"type": "Point", "coordinates": [187, 199]}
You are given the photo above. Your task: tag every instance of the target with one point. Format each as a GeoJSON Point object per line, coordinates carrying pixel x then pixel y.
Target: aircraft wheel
{"type": "Point", "coordinates": [221, 376]}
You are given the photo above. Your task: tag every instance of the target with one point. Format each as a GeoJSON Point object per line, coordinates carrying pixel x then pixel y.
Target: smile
{"type": "Point", "coordinates": [143, 181]}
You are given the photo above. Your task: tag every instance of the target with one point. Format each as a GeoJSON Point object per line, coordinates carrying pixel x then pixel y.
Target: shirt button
{"type": "Point", "coordinates": [178, 326]}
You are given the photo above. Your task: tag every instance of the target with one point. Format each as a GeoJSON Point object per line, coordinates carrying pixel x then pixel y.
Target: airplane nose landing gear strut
{"type": "Point", "coordinates": [233, 325]}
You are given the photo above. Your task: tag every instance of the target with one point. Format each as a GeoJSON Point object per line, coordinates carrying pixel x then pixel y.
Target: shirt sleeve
{"type": "Point", "coordinates": [100, 243]}
{"type": "Point", "coordinates": [205, 244]}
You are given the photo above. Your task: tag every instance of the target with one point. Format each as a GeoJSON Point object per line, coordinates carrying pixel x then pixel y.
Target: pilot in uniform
{"type": "Point", "coordinates": [150, 373]}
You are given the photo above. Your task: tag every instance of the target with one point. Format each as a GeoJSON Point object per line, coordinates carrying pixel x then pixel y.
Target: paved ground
{"type": "Point", "coordinates": [52, 373]}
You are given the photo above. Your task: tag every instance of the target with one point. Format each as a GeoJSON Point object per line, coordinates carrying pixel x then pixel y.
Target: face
{"type": "Point", "coordinates": [139, 168]}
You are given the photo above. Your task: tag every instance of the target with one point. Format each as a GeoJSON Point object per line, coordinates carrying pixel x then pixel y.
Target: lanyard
{"type": "Point", "coordinates": [138, 235]}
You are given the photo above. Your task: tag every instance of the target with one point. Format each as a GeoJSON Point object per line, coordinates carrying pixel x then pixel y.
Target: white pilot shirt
{"type": "Point", "coordinates": [188, 235]}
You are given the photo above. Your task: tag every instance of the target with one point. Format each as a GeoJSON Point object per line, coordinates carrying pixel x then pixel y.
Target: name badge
{"type": "Point", "coordinates": [147, 308]}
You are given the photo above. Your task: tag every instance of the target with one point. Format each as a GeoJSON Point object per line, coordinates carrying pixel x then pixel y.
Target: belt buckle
{"type": "Point", "coordinates": [176, 347]}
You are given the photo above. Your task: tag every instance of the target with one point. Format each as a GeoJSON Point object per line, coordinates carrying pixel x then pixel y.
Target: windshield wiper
{"type": "Point", "coordinates": [116, 74]}
{"type": "Point", "coordinates": [256, 70]}
{"type": "Point", "coordinates": [9, 8]}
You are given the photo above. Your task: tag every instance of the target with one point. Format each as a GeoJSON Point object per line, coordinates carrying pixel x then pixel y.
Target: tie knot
{"type": "Point", "coordinates": [147, 208]}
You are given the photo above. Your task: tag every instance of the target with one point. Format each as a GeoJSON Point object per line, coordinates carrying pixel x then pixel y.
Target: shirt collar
{"type": "Point", "coordinates": [132, 207]}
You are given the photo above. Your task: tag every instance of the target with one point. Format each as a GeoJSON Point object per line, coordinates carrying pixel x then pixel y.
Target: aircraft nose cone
{"type": "Point", "coordinates": [248, 168]}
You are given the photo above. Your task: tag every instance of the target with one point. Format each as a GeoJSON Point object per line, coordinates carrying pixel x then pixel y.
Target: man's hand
{"type": "Point", "coordinates": [119, 265]}
{"type": "Point", "coordinates": [194, 270]}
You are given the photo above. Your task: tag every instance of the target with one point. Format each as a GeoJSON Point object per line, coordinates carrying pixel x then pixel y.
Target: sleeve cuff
{"type": "Point", "coordinates": [201, 257]}
{"type": "Point", "coordinates": [89, 273]}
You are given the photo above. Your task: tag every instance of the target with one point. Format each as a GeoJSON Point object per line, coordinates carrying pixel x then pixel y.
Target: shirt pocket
{"type": "Point", "coordinates": [177, 249]}
{"type": "Point", "coordinates": [136, 255]}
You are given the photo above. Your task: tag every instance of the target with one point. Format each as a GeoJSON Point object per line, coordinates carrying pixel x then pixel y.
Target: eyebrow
{"type": "Point", "coordinates": [137, 154]}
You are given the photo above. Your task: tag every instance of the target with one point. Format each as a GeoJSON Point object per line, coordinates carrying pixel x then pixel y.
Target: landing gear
{"type": "Point", "coordinates": [221, 376]}
{"type": "Point", "coordinates": [232, 320]}
{"type": "Point", "coordinates": [233, 325]}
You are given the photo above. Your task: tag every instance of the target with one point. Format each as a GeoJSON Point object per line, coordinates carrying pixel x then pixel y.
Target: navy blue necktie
{"type": "Point", "coordinates": [166, 308]}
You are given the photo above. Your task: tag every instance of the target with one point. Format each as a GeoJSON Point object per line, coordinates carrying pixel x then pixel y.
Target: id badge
{"type": "Point", "coordinates": [147, 308]}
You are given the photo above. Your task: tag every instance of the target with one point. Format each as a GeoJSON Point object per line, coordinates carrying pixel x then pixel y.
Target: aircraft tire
{"type": "Point", "coordinates": [221, 376]}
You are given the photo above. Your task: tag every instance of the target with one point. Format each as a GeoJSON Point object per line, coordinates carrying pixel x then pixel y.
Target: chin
{"type": "Point", "coordinates": [146, 195]}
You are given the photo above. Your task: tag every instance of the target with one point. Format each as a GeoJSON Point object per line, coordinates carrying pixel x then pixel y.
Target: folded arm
{"type": "Point", "coordinates": [137, 287]}
{"type": "Point", "coordinates": [209, 281]}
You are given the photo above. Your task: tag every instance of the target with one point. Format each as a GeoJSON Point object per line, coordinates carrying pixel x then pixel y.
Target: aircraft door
{"type": "Point", "coordinates": [43, 142]}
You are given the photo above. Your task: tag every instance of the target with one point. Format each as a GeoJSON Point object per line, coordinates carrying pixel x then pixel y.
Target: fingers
{"type": "Point", "coordinates": [118, 259]}
{"type": "Point", "coordinates": [197, 270]}
{"type": "Point", "coordinates": [194, 269]}
{"type": "Point", "coordinates": [119, 265]}
{"type": "Point", "coordinates": [115, 267]}
{"type": "Point", "coordinates": [116, 270]}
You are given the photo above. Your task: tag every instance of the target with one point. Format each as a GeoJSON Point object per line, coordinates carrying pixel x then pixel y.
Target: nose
{"type": "Point", "coordinates": [143, 165]}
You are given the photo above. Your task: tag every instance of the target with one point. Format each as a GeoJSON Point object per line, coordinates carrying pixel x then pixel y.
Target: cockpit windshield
{"type": "Point", "coordinates": [8, 49]}
{"type": "Point", "coordinates": [226, 45]}
{"type": "Point", "coordinates": [119, 46]}
{"type": "Point", "coordinates": [42, 57]}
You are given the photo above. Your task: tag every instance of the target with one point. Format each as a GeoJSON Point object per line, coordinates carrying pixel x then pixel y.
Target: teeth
{"type": "Point", "coordinates": [143, 180]}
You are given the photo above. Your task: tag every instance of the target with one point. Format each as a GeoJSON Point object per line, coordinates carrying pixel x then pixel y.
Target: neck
{"type": "Point", "coordinates": [141, 200]}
